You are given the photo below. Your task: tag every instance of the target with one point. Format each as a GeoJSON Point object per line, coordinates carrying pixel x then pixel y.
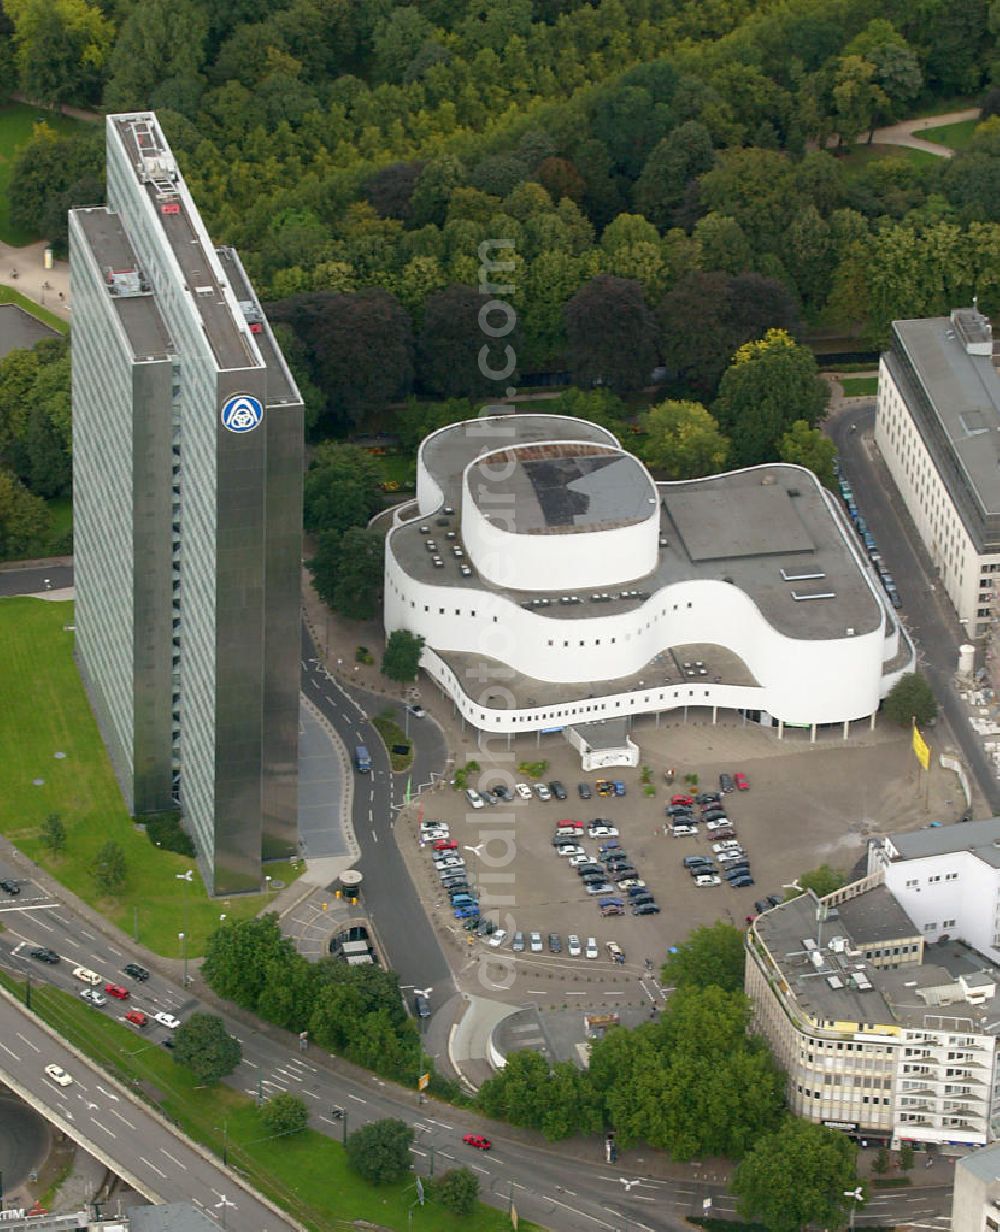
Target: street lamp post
{"type": "Point", "coordinates": [856, 1196]}
{"type": "Point", "coordinates": [182, 937]}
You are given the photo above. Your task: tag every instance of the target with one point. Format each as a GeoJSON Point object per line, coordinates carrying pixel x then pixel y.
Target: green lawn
{"type": "Point", "coordinates": [860, 386]}
{"type": "Point", "coordinates": [956, 136]}
{"type": "Point", "coordinates": [859, 155]}
{"type": "Point", "coordinates": [9, 296]}
{"type": "Point", "coordinates": [45, 711]}
{"type": "Point", "coordinates": [16, 121]}
{"type": "Point", "coordinates": [399, 468]}
{"type": "Point", "coordinates": [306, 1174]}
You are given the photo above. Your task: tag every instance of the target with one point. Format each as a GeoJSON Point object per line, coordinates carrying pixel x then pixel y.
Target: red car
{"type": "Point", "coordinates": [116, 990]}
{"type": "Point", "coordinates": [478, 1141]}
{"type": "Point", "coordinates": [682, 799]}
{"type": "Point", "coordinates": [568, 824]}
{"type": "Point", "coordinates": [445, 844]}
{"type": "Point", "coordinates": [137, 1018]}
{"type": "Point", "coordinates": [742, 782]}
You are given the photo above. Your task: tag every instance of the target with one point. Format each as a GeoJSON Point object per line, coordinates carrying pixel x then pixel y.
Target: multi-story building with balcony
{"type": "Point", "coordinates": [188, 450]}
{"type": "Point", "coordinates": [879, 1036]}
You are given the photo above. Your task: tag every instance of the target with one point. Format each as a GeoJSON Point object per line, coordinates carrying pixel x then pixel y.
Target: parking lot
{"type": "Point", "coordinates": [806, 805]}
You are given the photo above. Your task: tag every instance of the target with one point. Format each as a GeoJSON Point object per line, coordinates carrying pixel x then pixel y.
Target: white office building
{"type": "Point", "coordinates": [938, 429]}
{"type": "Point", "coordinates": [557, 585]}
{"type": "Point", "coordinates": [947, 880]}
{"type": "Point", "coordinates": [880, 1036]}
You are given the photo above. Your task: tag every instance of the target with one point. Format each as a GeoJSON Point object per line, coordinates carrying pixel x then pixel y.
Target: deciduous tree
{"type": "Point", "coordinates": [682, 441]}
{"type": "Point", "coordinates": [796, 1176]}
{"type": "Point", "coordinates": [203, 1045]}
{"type": "Point", "coordinates": [770, 384]}
{"type": "Point", "coordinates": [808, 447]}
{"type": "Point", "coordinates": [380, 1151]}
{"type": "Point", "coordinates": [24, 519]}
{"type": "Point", "coordinates": [109, 869]}
{"type": "Point", "coordinates": [342, 488]}
{"type": "Point", "coordinates": [239, 956]}
{"type": "Point", "coordinates": [712, 954]}
{"type": "Point", "coordinates": [284, 1114]}
{"type": "Point", "coordinates": [54, 834]}
{"type": "Point", "coordinates": [347, 571]}
{"type": "Point", "coordinates": [457, 1190]}
{"type": "Point", "coordinates": [611, 334]}
{"type": "Point", "coordinates": [911, 698]}
{"type": "Point", "coordinates": [401, 659]}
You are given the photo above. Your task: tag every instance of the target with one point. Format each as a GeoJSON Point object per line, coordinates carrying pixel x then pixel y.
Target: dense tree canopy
{"type": "Point", "coordinates": [711, 955]}
{"type": "Point", "coordinates": [611, 334]}
{"type": "Point", "coordinates": [911, 700]}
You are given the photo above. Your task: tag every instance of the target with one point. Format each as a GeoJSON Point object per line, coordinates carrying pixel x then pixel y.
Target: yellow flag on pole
{"type": "Point", "coordinates": [921, 749]}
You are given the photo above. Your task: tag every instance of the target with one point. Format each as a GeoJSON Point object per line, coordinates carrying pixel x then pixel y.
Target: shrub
{"type": "Point", "coordinates": [167, 832]}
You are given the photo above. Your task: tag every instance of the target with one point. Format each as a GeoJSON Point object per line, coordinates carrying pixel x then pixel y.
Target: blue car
{"type": "Point", "coordinates": [467, 913]}
{"type": "Point", "coordinates": [619, 787]}
{"type": "Point", "coordinates": [611, 902]}
{"type": "Point", "coordinates": [463, 900]}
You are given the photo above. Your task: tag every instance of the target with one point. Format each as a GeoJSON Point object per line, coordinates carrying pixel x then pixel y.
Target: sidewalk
{"type": "Point", "coordinates": [23, 270]}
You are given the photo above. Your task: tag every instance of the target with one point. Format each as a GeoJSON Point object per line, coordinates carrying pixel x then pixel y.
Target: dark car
{"type": "Point", "coordinates": [136, 972]}
{"type": "Point", "coordinates": [643, 896]}
{"type": "Point", "coordinates": [646, 909]}
{"type": "Point", "coordinates": [10, 887]}
{"type": "Point", "coordinates": [708, 797]}
{"type": "Point", "coordinates": [421, 1005]}
{"type": "Point", "coordinates": [679, 810]}
{"type": "Point", "coordinates": [774, 900]}
{"type": "Point", "coordinates": [738, 871]}
{"type": "Point", "coordinates": [635, 892]}
{"type": "Point", "coordinates": [761, 905]}
{"type": "Point", "coordinates": [503, 793]}
{"type": "Point", "coordinates": [591, 867]}
{"type": "Point", "coordinates": [713, 814]}
{"type": "Point", "coordinates": [557, 789]}
{"type": "Point", "coordinates": [741, 883]}
{"type": "Point", "coordinates": [726, 782]}
{"type": "Point", "coordinates": [583, 791]}
{"type": "Point", "coordinates": [694, 861]}
{"type": "Point", "coordinates": [45, 955]}
{"type": "Point", "coordinates": [704, 870]}
{"type": "Point", "coordinates": [486, 928]}
{"type": "Point", "coordinates": [624, 871]}
{"type": "Point", "coordinates": [594, 878]}
{"type": "Point", "coordinates": [555, 943]}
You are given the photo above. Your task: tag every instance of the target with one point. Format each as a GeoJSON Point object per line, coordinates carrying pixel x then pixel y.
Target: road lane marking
{"type": "Point", "coordinates": [104, 1127]}
{"type": "Point", "coordinates": [124, 1120]}
{"type": "Point", "coordinates": [8, 1051]}
{"type": "Point", "coordinates": [414, 1150]}
{"type": "Point", "coordinates": [110, 1094]}
{"type": "Point", "coordinates": [153, 1166]}
{"type": "Point", "coordinates": [173, 1158]}
{"type": "Point", "coordinates": [476, 1168]}
{"type": "Point", "coordinates": [252, 1064]}
{"type": "Point", "coordinates": [356, 1098]}
{"type": "Point", "coordinates": [311, 1094]}
{"type": "Point", "coordinates": [28, 1042]}
{"type": "Point", "coordinates": [89, 936]}
{"type": "Point", "coordinates": [593, 1218]}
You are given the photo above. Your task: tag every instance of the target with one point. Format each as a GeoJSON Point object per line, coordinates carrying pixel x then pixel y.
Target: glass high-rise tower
{"type": "Point", "coordinates": [187, 499]}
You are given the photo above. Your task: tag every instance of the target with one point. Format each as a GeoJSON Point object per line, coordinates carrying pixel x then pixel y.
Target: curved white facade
{"type": "Point", "coordinates": [493, 652]}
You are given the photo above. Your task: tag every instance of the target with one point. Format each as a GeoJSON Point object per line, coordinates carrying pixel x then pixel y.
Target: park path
{"type": "Point", "coordinates": [23, 270]}
{"type": "Point", "coordinates": [905, 132]}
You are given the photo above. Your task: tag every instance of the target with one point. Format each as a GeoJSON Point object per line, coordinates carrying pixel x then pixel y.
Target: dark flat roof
{"type": "Point", "coordinates": [19, 330]}
{"type": "Point", "coordinates": [144, 327]}
{"type": "Point", "coordinates": [230, 345]}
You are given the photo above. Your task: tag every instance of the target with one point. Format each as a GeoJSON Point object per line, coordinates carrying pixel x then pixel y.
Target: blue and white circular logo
{"type": "Point", "coordinates": [241, 413]}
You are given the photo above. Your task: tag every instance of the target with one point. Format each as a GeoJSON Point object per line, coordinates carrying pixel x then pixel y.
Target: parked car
{"type": "Point", "coordinates": [618, 787]}
{"type": "Point", "coordinates": [646, 909]}
{"type": "Point", "coordinates": [503, 793]}
{"type": "Point", "coordinates": [637, 891]}
{"type": "Point", "coordinates": [708, 797]}
{"type": "Point", "coordinates": [474, 798]}
{"type": "Point", "coordinates": [726, 782]}
{"type": "Point", "coordinates": [725, 844]}
{"type": "Point", "coordinates": [591, 950]}
{"type": "Point", "coordinates": [602, 831]}
{"type": "Point", "coordinates": [573, 945]}
{"type": "Point", "coordinates": [542, 791]}
{"type": "Point", "coordinates": [517, 945]}
{"type": "Point", "coordinates": [631, 883]}
{"type": "Point", "coordinates": [569, 825]}
{"type": "Point", "coordinates": [775, 900]}
{"type": "Point", "coordinates": [523, 791]}
{"type": "Point", "coordinates": [683, 799]}
{"type": "Point", "coordinates": [719, 823]}
{"type": "Point", "coordinates": [498, 938]}
{"type": "Point", "coordinates": [467, 913]}
{"type": "Point", "coordinates": [645, 897]}
{"type": "Point", "coordinates": [536, 943]}
{"type": "Point", "coordinates": [557, 789]}
{"type": "Point", "coordinates": [741, 781]}
{"type": "Point", "coordinates": [615, 952]}
{"type": "Point", "coordinates": [741, 883]}
{"type": "Point", "coordinates": [694, 861]}
{"type": "Point", "coordinates": [734, 874]}
{"type": "Point", "coordinates": [599, 887]}
{"type": "Point", "coordinates": [608, 910]}
{"type": "Point", "coordinates": [555, 943]}
{"type": "Point", "coordinates": [576, 861]}
{"type": "Point", "coordinates": [604, 788]}
{"type": "Point", "coordinates": [583, 791]}
{"type": "Point", "coordinates": [445, 844]}
{"type": "Point", "coordinates": [684, 831]}
{"type": "Point", "coordinates": [590, 867]}
{"type": "Point", "coordinates": [706, 879]}
{"type": "Point", "coordinates": [570, 849]}
{"type": "Point", "coordinates": [703, 870]}
{"type": "Point", "coordinates": [679, 810]}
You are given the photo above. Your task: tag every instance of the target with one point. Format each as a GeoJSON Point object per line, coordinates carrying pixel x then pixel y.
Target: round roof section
{"type": "Point", "coordinates": [561, 488]}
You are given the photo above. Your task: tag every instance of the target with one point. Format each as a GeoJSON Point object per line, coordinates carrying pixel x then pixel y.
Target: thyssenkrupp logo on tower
{"type": "Point", "coordinates": [241, 413]}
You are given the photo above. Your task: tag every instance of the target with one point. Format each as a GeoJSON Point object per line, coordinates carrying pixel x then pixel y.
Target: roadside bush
{"type": "Point", "coordinates": [167, 832]}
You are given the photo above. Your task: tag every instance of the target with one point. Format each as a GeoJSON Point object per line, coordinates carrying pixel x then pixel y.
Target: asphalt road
{"type": "Point", "coordinates": [926, 610]}
{"type": "Point", "coordinates": [120, 1126]}
{"type": "Point", "coordinates": [33, 581]}
{"type": "Point", "coordinates": [406, 935]}
{"type": "Point", "coordinates": [568, 1188]}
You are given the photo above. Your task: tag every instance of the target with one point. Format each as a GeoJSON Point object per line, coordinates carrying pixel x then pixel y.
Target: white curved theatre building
{"type": "Point", "coordinates": [556, 584]}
